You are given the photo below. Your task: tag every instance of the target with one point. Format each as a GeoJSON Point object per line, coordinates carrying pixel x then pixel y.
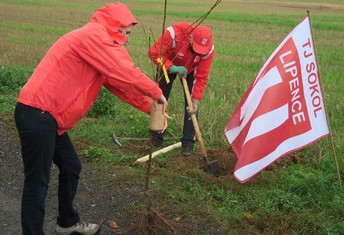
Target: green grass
{"type": "Point", "coordinates": [301, 198]}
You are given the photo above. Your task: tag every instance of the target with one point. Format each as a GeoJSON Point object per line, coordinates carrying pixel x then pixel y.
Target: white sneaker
{"type": "Point", "coordinates": [80, 228]}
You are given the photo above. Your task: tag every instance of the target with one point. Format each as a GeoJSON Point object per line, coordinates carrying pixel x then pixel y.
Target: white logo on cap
{"type": "Point", "coordinates": [204, 41]}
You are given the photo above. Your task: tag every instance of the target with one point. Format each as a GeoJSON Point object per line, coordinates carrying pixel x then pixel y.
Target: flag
{"type": "Point", "coordinates": [283, 109]}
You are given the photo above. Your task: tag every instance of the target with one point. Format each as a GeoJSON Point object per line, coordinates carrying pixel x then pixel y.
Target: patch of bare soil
{"type": "Point", "coordinates": [101, 198]}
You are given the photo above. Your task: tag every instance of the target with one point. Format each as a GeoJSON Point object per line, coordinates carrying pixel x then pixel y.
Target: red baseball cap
{"type": "Point", "coordinates": [202, 40]}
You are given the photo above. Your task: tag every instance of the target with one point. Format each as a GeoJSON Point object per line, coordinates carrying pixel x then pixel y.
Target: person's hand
{"type": "Point", "coordinates": [162, 100]}
{"type": "Point", "coordinates": [165, 122]}
{"type": "Point", "coordinates": [195, 105]}
{"type": "Point", "coordinates": [181, 70]}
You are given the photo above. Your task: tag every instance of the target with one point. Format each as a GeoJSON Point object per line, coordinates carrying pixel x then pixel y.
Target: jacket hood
{"type": "Point", "coordinates": [114, 16]}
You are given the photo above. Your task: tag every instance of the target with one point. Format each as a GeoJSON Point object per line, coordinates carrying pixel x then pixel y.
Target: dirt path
{"type": "Point", "coordinates": [100, 195]}
{"type": "Point", "coordinates": [96, 199]}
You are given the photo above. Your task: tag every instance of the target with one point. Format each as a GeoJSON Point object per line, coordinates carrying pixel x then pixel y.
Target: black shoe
{"type": "Point", "coordinates": [187, 150]}
{"type": "Point", "coordinates": [156, 142]}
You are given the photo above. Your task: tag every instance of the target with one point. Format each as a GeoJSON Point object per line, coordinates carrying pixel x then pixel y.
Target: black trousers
{"type": "Point", "coordinates": [40, 146]}
{"type": "Point", "coordinates": [188, 128]}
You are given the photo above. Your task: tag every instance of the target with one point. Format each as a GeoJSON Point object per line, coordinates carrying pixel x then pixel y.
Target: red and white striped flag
{"type": "Point", "coordinates": [283, 109]}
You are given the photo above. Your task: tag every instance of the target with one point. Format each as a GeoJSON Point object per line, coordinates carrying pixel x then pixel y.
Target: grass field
{"type": "Point", "coordinates": [301, 198]}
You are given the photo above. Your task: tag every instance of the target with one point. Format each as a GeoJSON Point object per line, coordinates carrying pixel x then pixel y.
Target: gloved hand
{"type": "Point", "coordinates": [181, 70]}
{"type": "Point", "coordinates": [195, 105]}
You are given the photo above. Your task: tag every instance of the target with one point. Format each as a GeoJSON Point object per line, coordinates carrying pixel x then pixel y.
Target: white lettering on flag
{"type": "Point", "coordinates": [283, 109]}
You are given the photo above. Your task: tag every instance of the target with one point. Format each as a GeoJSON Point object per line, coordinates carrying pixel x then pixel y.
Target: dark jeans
{"type": "Point", "coordinates": [188, 128]}
{"type": "Point", "coordinates": [40, 146]}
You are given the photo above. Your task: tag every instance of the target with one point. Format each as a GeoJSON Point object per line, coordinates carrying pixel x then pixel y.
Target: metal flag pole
{"type": "Point", "coordinates": [327, 116]}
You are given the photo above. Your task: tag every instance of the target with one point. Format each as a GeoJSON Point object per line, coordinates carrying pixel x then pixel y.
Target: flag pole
{"type": "Point", "coordinates": [327, 117]}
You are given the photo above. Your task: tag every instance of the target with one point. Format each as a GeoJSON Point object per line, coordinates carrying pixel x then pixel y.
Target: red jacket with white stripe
{"type": "Point", "coordinates": [69, 78]}
{"type": "Point", "coordinates": [175, 51]}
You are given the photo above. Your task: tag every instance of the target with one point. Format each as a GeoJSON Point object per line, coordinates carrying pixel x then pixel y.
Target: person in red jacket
{"type": "Point", "coordinates": [61, 90]}
{"type": "Point", "coordinates": [187, 50]}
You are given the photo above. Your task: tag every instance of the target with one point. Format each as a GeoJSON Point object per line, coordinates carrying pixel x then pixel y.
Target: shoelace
{"type": "Point", "coordinates": [83, 224]}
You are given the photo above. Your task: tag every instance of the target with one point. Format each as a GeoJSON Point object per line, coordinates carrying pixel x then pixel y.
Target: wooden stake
{"type": "Point", "coordinates": [164, 150]}
{"type": "Point", "coordinates": [327, 117]}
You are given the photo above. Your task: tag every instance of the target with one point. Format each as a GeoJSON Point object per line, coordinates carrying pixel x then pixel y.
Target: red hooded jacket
{"type": "Point", "coordinates": [67, 81]}
{"type": "Point", "coordinates": [175, 51]}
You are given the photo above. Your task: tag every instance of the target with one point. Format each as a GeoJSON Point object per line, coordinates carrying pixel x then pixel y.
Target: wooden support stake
{"type": "Point", "coordinates": [160, 151]}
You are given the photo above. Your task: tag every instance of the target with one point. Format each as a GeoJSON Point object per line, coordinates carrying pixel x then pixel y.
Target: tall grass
{"type": "Point", "coordinates": [299, 199]}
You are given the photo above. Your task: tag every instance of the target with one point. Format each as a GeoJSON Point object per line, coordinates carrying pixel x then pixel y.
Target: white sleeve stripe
{"type": "Point", "coordinates": [173, 35]}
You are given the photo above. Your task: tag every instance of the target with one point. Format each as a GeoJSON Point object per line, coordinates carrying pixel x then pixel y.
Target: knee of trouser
{"type": "Point", "coordinates": [73, 168]}
{"type": "Point", "coordinates": [77, 167]}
